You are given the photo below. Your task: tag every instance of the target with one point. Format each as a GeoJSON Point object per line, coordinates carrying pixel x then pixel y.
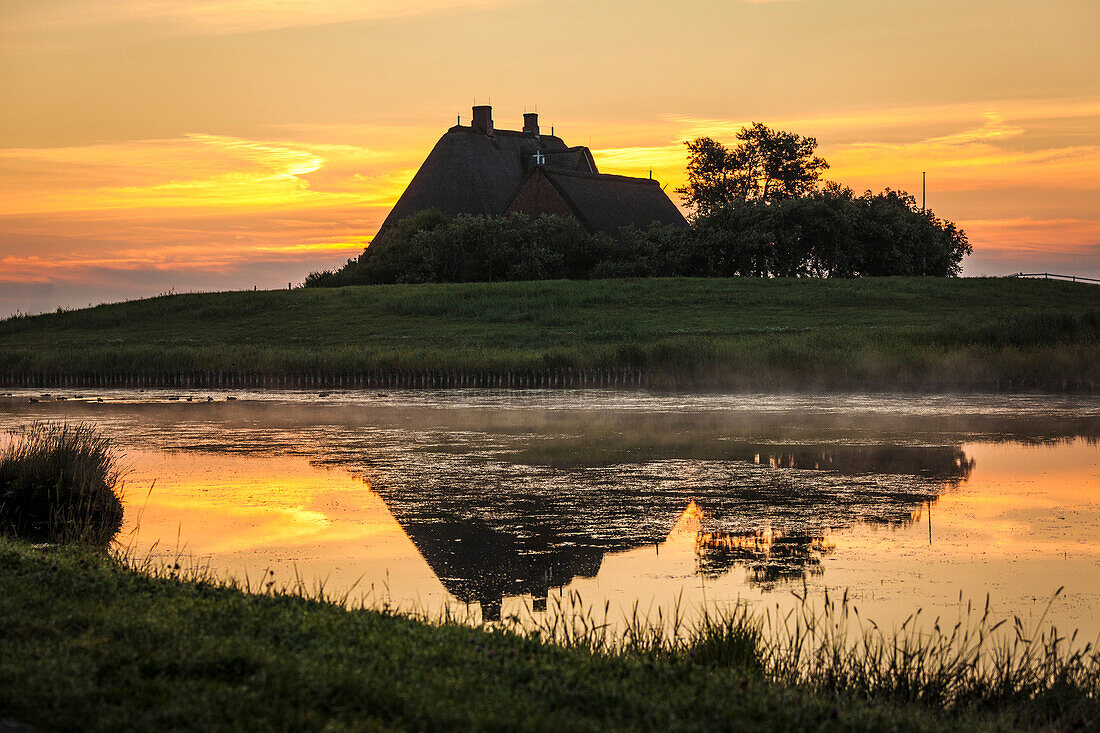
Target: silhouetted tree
{"type": "Point", "coordinates": [766, 165]}
{"type": "Point", "coordinates": [831, 233]}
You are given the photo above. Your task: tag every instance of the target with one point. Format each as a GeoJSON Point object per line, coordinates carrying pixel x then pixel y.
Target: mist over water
{"type": "Point", "coordinates": [499, 501]}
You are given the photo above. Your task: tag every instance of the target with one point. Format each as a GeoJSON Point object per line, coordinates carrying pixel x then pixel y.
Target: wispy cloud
{"type": "Point", "coordinates": [897, 123]}
{"type": "Point", "coordinates": [200, 171]}
{"type": "Point", "coordinates": [150, 215]}
{"type": "Point", "coordinates": [979, 145]}
{"type": "Point", "coordinates": [228, 16]}
{"type": "Point", "coordinates": [1028, 236]}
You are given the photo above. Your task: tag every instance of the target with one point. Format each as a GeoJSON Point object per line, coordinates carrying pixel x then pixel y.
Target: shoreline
{"type": "Point", "coordinates": [568, 378]}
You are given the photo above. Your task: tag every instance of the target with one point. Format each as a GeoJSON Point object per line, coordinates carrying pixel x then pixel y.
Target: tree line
{"type": "Point", "coordinates": [758, 209]}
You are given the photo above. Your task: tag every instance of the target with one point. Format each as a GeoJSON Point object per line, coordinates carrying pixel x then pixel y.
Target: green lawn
{"type": "Point", "coordinates": [88, 644]}
{"type": "Point", "coordinates": [742, 333]}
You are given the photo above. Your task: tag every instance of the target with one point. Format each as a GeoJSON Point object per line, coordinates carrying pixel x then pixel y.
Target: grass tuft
{"type": "Point", "coordinates": [58, 483]}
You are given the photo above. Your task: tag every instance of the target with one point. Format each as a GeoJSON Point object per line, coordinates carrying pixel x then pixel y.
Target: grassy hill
{"type": "Point", "coordinates": [742, 333]}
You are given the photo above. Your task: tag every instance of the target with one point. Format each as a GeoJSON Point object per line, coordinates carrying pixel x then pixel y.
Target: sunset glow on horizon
{"type": "Point", "coordinates": [156, 145]}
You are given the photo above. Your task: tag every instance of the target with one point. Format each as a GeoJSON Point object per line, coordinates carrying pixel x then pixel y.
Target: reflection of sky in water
{"type": "Point", "coordinates": [487, 500]}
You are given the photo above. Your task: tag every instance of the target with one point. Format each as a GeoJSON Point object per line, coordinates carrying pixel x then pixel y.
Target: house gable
{"type": "Point", "coordinates": [538, 196]}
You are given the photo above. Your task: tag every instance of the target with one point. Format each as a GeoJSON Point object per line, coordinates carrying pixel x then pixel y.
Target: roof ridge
{"type": "Point", "coordinates": [605, 176]}
{"type": "Point", "coordinates": [506, 133]}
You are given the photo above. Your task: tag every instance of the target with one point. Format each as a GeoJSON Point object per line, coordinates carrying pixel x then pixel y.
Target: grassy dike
{"type": "Point", "coordinates": [741, 333]}
{"type": "Point", "coordinates": [88, 643]}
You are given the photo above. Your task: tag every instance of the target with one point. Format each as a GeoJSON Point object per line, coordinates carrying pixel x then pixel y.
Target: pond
{"type": "Point", "coordinates": [519, 502]}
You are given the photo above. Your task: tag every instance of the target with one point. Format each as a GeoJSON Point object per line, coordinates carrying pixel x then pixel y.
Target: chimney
{"type": "Point", "coordinates": [531, 123]}
{"type": "Point", "coordinates": [483, 119]}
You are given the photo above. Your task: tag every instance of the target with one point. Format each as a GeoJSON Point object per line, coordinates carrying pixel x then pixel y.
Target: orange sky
{"type": "Point", "coordinates": [152, 145]}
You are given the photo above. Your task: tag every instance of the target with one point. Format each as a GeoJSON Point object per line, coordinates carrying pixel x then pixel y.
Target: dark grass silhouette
{"type": "Point", "coordinates": [58, 483]}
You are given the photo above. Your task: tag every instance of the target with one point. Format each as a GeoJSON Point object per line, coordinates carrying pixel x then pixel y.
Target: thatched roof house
{"type": "Point", "coordinates": [481, 170]}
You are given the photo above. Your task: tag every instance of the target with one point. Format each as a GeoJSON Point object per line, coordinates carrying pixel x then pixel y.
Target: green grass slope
{"type": "Point", "coordinates": [742, 333]}
{"type": "Point", "coordinates": [87, 644]}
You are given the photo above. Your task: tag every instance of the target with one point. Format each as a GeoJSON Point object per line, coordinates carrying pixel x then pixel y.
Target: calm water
{"type": "Point", "coordinates": [500, 501]}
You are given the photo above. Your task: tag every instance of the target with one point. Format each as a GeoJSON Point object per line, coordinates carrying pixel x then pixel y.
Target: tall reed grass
{"type": "Point", "coordinates": [973, 663]}
{"type": "Point", "coordinates": [59, 482]}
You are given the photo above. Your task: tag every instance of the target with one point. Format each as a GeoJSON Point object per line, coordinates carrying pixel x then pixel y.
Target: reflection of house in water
{"type": "Point", "coordinates": [477, 563]}
{"type": "Point", "coordinates": [948, 462]}
{"type": "Point", "coordinates": [534, 532]}
{"type": "Point", "coordinates": [769, 557]}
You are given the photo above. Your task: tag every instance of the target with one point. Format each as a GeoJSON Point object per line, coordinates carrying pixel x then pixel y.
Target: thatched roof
{"type": "Point", "coordinates": [478, 170]}
{"type": "Point", "coordinates": [469, 172]}
{"type": "Point", "coordinates": [600, 201]}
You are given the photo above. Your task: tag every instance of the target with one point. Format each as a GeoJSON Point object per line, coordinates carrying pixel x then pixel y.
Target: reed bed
{"type": "Point", "coordinates": [972, 660]}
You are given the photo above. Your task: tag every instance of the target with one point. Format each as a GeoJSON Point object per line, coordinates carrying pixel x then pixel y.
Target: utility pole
{"type": "Point", "coordinates": [923, 191]}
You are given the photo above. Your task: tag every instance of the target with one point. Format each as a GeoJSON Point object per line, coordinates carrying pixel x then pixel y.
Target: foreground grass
{"type": "Point", "coordinates": [88, 643]}
{"type": "Point", "coordinates": [741, 333]}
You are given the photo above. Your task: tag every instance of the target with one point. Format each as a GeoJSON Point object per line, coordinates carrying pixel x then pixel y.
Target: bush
{"type": "Point", "coordinates": [829, 233]}
{"type": "Point", "coordinates": [431, 247]}
{"type": "Point", "coordinates": [58, 484]}
{"type": "Point", "coordinates": [832, 233]}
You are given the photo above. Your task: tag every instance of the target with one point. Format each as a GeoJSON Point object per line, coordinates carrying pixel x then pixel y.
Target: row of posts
{"type": "Point", "coordinates": [336, 379]}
